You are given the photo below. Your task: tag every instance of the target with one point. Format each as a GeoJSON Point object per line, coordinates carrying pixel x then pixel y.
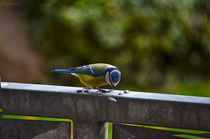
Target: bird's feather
{"type": "Point", "coordinates": [64, 71]}
{"type": "Point", "coordinates": [96, 70]}
{"type": "Point", "coordinates": [91, 81]}
{"type": "Point", "coordinates": [99, 68]}
{"type": "Point", "coordinates": [83, 69]}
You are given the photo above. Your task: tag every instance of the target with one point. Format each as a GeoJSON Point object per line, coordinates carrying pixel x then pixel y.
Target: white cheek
{"type": "Point", "coordinates": [107, 78]}
{"type": "Point", "coordinates": [115, 84]}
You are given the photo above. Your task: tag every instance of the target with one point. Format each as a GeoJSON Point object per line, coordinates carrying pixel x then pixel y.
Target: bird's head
{"type": "Point", "coordinates": [112, 76]}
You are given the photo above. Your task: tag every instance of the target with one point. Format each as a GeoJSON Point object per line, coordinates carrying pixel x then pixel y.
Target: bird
{"type": "Point", "coordinates": [95, 75]}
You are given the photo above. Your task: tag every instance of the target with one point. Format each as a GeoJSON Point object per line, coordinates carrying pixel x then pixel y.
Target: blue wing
{"type": "Point", "coordinates": [87, 69]}
{"type": "Point", "coordinates": [64, 70]}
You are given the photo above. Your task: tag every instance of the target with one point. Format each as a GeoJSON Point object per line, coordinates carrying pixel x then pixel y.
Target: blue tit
{"type": "Point", "coordinates": [95, 75]}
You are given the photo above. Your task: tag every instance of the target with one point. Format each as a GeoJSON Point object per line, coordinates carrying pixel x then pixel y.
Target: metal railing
{"type": "Point", "coordinates": [48, 111]}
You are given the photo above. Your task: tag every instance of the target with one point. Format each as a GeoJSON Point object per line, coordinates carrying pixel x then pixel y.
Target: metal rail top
{"type": "Point", "coordinates": [113, 93]}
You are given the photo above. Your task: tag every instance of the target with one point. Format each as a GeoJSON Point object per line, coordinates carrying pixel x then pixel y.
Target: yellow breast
{"type": "Point", "coordinates": [91, 81]}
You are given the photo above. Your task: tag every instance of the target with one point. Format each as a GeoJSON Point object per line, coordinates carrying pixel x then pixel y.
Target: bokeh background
{"type": "Point", "coordinates": [159, 45]}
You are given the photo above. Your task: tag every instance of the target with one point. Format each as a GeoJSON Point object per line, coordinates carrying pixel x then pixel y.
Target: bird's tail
{"type": "Point", "coordinates": [70, 71]}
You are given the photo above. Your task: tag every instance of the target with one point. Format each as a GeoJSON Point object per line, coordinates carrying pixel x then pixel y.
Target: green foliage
{"type": "Point", "coordinates": [157, 44]}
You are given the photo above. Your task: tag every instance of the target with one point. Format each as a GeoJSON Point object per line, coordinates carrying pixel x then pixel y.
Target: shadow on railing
{"type": "Point", "coordinates": [58, 112]}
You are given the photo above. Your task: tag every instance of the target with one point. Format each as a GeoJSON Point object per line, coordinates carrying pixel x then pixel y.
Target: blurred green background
{"type": "Point", "coordinates": [159, 45]}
